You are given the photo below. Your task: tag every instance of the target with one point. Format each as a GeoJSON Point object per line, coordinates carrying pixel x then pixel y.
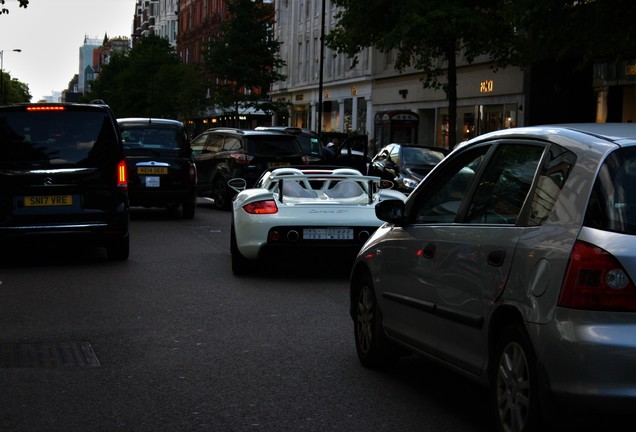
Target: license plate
{"type": "Point", "coordinates": [48, 200]}
{"type": "Point", "coordinates": [152, 170]}
{"type": "Point", "coordinates": [328, 234]}
{"type": "Point", "coordinates": [277, 164]}
{"type": "Point", "coordinates": [153, 181]}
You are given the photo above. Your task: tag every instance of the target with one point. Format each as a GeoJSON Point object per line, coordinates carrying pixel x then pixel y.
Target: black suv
{"type": "Point", "coordinates": [63, 176]}
{"type": "Point", "coordinates": [222, 154]}
{"type": "Point", "coordinates": [308, 139]}
{"type": "Point", "coordinates": [161, 168]}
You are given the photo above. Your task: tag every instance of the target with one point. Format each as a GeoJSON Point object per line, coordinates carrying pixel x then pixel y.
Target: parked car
{"type": "Point", "coordinates": [513, 263]}
{"type": "Point", "coordinates": [405, 165]}
{"type": "Point", "coordinates": [296, 211]}
{"type": "Point", "coordinates": [308, 139]}
{"type": "Point", "coordinates": [225, 153]}
{"type": "Point", "coordinates": [63, 176]}
{"type": "Point", "coordinates": [353, 152]}
{"type": "Point", "coordinates": [161, 167]}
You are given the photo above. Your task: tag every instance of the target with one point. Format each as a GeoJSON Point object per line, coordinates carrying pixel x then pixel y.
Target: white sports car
{"type": "Point", "coordinates": [319, 209]}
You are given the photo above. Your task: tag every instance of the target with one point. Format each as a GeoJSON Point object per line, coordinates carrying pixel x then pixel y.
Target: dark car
{"type": "Point", "coordinates": [353, 152]}
{"type": "Point", "coordinates": [161, 167]}
{"type": "Point", "coordinates": [405, 165]}
{"type": "Point", "coordinates": [63, 176]}
{"type": "Point", "coordinates": [308, 139]}
{"type": "Point", "coordinates": [222, 154]}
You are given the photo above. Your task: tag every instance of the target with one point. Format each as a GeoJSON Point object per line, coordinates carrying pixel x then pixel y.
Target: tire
{"type": "Point", "coordinates": [188, 208]}
{"type": "Point", "coordinates": [118, 250]}
{"type": "Point", "coordinates": [515, 392]}
{"type": "Point", "coordinates": [220, 194]}
{"type": "Point", "coordinates": [374, 349]}
{"type": "Point", "coordinates": [241, 266]}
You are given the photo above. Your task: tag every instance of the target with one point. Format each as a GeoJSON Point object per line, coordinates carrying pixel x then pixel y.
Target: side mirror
{"type": "Point", "coordinates": [238, 184]}
{"type": "Point", "coordinates": [391, 211]}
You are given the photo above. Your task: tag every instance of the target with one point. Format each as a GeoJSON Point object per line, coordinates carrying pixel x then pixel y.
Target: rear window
{"type": "Point", "coordinates": [64, 138]}
{"type": "Point", "coordinates": [139, 139]}
{"type": "Point", "coordinates": [273, 145]}
{"type": "Point", "coordinates": [612, 205]}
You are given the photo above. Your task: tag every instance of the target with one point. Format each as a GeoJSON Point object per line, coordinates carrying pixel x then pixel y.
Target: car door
{"type": "Point", "coordinates": [409, 257]}
{"type": "Point", "coordinates": [473, 256]}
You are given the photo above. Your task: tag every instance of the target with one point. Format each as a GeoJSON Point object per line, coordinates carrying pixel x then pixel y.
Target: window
{"type": "Point", "coordinates": [442, 204]}
{"type": "Point", "coordinates": [504, 186]}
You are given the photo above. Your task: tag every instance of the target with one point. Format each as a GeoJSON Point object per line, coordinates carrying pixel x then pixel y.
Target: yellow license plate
{"type": "Point", "coordinates": [277, 164]}
{"type": "Point", "coordinates": [48, 200]}
{"type": "Point", "coordinates": [152, 170]}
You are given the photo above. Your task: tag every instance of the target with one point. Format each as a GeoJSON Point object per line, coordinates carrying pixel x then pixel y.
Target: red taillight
{"type": "Point", "coordinates": [596, 280]}
{"type": "Point", "coordinates": [261, 207]}
{"type": "Point", "coordinates": [305, 160]}
{"type": "Point", "coordinates": [122, 175]}
{"type": "Point", "coordinates": [242, 158]}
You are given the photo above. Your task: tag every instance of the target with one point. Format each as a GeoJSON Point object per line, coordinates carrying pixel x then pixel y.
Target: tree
{"type": "Point", "coordinates": [149, 81]}
{"type": "Point", "coordinates": [14, 91]}
{"type": "Point", "coordinates": [4, 10]}
{"type": "Point", "coordinates": [427, 35]}
{"type": "Point", "coordinates": [243, 58]}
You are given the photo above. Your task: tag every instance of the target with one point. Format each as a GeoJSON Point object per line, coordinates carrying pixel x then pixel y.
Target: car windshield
{"type": "Point", "coordinates": [612, 205]}
{"type": "Point", "coordinates": [421, 156]}
{"type": "Point", "coordinates": [273, 145]}
{"type": "Point", "coordinates": [59, 138]}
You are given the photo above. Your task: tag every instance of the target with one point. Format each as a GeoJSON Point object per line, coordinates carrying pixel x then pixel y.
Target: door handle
{"type": "Point", "coordinates": [496, 258]}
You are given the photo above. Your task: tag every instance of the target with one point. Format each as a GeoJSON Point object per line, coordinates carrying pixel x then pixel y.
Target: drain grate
{"type": "Point", "coordinates": [47, 355]}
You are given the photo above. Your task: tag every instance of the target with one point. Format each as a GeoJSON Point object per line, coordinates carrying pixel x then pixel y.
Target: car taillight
{"type": "Point", "coordinates": [305, 159]}
{"type": "Point", "coordinates": [261, 207]}
{"type": "Point", "coordinates": [192, 174]}
{"type": "Point", "coordinates": [595, 280]}
{"type": "Point", "coordinates": [242, 158]}
{"type": "Point", "coordinates": [122, 175]}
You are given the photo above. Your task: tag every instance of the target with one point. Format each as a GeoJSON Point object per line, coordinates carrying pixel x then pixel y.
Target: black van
{"type": "Point", "coordinates": [63, 176]}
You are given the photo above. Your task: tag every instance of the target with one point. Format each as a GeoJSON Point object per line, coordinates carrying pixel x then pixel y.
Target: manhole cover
{"type": "Point", "coordinates": [47, 355]}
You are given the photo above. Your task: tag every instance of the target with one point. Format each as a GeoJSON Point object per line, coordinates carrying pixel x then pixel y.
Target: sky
{"type": "Point", "coordinates": [49, 34]}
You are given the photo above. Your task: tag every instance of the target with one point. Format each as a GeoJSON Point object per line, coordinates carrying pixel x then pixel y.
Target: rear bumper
{"type": "Point", "coordinates": [589, 357]}
{"type": "Point", "coordinates": [161, 198]}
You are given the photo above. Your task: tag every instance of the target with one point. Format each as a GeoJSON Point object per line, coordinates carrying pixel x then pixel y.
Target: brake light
{"type": "Point", "coordinates": [305, 160]}
{"type": "Point", "coordinates": [122, 175]}
{"type": "Point", "coordinates": [596, 280]}
{"type": "Point", "coordinates": [242, 158]}
{"type": "Point", "coordinates": [261, 207]}
{"type": "Point", "coordinates": [45, 108]}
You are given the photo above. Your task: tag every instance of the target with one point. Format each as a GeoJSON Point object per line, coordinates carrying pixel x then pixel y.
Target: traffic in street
{"type": "Point", "coordinates": [171, 340]}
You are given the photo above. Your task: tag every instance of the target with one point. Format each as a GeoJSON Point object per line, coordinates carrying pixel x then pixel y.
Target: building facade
{"type": "Point", "coordinates": [371, 97]}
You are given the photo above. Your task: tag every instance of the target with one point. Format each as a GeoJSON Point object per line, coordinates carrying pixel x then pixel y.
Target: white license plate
{"type": "Point", "coordinates": [328, 234]}
{"type": "Point", "coordinates": [152, 181]}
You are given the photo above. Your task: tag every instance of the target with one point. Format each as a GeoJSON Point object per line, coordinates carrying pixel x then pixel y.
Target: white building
{"type": "Point", "coordinates": [375, 99]}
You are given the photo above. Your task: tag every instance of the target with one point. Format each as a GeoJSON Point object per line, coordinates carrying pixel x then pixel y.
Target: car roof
{"type": "Point", "coordinates": [247, 132]}
{"type": "Point", "coordinates": [289, 129]}
{"type": "Point", "coordinates": [147, 120]}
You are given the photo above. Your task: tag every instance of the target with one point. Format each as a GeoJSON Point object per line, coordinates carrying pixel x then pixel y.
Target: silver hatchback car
{"type": "Point", "coordinates": [513, 262]}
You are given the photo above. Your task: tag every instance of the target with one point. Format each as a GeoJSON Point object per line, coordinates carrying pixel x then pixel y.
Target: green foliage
{"type": "Point", "coordinates": [243, 58]}
{"type": "Point", "coordinates": [428, 35]}
{"type": "Point", "coordinates": [13, 91]}
{"type": "Point", "coordinates": [149, 81]}
{"type": "Point", "coordinates": [4, 10]}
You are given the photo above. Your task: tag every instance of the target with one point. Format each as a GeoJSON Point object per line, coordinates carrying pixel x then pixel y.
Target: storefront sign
{"type": "Point", "coordinates": [300, 97]}
{"type": "Point", "coordinates": [630, 69]}
{"type": "Point", "coordinates": [486, 86]}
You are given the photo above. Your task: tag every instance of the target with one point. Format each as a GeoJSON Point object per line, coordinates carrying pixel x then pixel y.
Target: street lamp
{"type": "Point", "coordinates": [2, 98]}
